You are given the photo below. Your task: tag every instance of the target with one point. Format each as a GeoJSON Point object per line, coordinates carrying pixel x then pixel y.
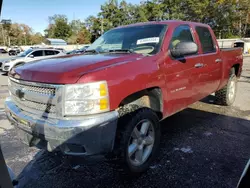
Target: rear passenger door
{"type": "Point", "coordinates": [181, 74]}
{"type": "Point", "coordinates": [49, 53]}
{"type": "Point", "coordinates": [210, 76]}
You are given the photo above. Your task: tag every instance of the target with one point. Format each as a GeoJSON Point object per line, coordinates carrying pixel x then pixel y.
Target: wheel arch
{"type": "Point", "coordinates": [150, 98]}
{"type": "Point", "coordinates": [236, 69]}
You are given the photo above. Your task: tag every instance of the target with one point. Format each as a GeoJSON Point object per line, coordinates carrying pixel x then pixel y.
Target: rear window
{"type": "Point", "coordinates": [56, 52]}
{"type": "Point", "coordinates": [49, 52]}
{"type": "Point", "coordinates": [206, 39]}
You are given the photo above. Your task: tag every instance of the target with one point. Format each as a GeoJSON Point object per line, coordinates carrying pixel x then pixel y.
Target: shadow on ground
{"type": "Point", "coordinates": [198, 149]}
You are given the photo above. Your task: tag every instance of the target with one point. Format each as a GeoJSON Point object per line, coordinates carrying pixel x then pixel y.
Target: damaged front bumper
{"type": "Point", "coordinates": [80, 136]}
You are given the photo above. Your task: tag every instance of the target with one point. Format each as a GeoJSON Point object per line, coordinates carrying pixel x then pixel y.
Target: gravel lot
{"type": "Point", "coordinates": [205, 145]}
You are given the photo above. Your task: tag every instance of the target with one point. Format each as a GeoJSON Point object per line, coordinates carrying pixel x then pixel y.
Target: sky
{"type": "Point", "coordinates": [35, 13]}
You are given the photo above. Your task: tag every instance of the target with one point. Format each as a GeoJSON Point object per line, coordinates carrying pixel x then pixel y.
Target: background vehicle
{"type": "Point", "coordinates": [14, 51]}
{"type": "Point", "coordinates": [78, 51]}
{"type": "Point", "coordinates": [28, 56]}
{"type": "Point", "coordinates": [109, 101]}
{"type": "Point", "coordinates": [3, 51]}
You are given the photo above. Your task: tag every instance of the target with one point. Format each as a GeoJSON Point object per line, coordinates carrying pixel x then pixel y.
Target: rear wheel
{"type": "Point", "coordinates": [226, 96]}
{"type": "Point", "coordinates": [138, 140]}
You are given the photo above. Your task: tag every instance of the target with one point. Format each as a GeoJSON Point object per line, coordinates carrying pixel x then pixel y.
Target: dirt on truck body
{"type": "Point", "coordinates": [109, 101]}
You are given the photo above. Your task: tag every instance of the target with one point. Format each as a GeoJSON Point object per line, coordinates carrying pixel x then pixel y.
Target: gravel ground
{"type": "Point", "coordinates": [205, 145]}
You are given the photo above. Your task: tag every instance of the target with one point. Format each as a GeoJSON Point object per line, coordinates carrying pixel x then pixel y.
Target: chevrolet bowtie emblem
{"type": "Point", "coordinates": [20, 94]}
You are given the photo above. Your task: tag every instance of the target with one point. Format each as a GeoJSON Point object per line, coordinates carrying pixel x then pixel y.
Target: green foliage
{"type": "Point", "coordinates": [228, 18]}
{"type": "Point", "coordinates": [19, 34]}
{"type": "Point", "coordinates": [58, 27]}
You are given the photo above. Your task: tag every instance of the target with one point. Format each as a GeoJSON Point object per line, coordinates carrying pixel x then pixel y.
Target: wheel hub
{"type": "Point", "coordinates": [141, 142]}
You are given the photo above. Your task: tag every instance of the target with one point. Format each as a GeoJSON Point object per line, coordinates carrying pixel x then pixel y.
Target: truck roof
{"type": "Point", "coordinates": [168, 22]}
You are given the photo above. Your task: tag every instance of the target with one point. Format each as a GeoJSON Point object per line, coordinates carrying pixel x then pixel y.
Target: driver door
{"type": "Point", "coordinates": [181, 73]}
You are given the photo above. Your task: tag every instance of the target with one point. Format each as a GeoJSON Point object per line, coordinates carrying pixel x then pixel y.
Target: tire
{"type": "Point", "coordinates": [226, 96]}
{"type": "Point", "coordinates": [129, 139]}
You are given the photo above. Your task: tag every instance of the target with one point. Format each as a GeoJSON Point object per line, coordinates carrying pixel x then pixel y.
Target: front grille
{"type": "Point", "coordinates": [24, 104]}
{"type": "Point", "coordinates": [41, 90]}
{"type": "Point", "coordinates": [41, 100]}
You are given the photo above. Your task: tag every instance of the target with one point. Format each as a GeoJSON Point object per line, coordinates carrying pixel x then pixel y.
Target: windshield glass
{"type": "Point", "coordinates": [144, 39]}
{"type": "Point", "coordinates": [26, 52]}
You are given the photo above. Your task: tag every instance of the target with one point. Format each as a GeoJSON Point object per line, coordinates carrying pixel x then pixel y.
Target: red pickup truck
{"type": "Point", "coordinates": [109, 101]}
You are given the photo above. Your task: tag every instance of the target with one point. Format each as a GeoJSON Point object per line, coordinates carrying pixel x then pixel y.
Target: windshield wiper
{"type": "Point", "coordinates": [92, 51]}
{"type": "Point", "coordinates": [122, 50]}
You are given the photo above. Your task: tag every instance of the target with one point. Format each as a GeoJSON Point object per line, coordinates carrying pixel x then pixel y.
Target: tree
{"type": "Point", "coordinates": [173, 9]}
{"type": "Point", "coordinates": [83, 37]}
{"type": "Point", "coordinates": [58, 27]}
{"type": "Point", "coordinates": [76, 26]}
{"type": "Point", "coordinates": [154, 10]}
{"type": "Point", "coordinates": [37, 38]}
{"type": "Point", "coordinates": [93, 24]}
{"type": "Point", "coordinates": [80, 34]}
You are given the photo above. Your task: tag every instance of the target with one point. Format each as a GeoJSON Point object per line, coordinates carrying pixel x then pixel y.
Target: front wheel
{"type": "Point", "coordinates": [139, 138]}
{"type": "Point", "coordinates": [226, 96]}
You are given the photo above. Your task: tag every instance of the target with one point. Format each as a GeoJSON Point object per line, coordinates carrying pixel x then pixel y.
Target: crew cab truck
{"type": "Point", "coordinates": [109, 101]}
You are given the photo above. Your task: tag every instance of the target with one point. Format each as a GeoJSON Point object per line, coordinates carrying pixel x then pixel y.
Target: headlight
{"type": "Point", "coordinates": [83, 99]}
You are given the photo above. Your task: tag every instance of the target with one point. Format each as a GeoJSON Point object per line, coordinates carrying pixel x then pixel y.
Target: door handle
{"type": "Point", "coordinates": [199, 65]}
{"type": "Point", "coordinates": [218, 60]}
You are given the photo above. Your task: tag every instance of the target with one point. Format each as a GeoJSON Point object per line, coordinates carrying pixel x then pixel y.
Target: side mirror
{"type": "Point", "coordinates": [31, 56]}
{"type": "Point", "coordinates": [184, 48]}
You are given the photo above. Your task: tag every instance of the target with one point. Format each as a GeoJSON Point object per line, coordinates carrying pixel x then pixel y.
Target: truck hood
{"type": "Point", "coordinates": [68, 69]}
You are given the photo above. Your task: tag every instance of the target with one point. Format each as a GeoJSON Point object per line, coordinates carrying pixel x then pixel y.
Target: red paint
{"type": "Point", "coordinates": [129, 73]}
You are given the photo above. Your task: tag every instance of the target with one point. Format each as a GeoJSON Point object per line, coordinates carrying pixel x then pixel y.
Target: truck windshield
{"type": "Point", "coordinates": [26, 52]}
{"type": "Point", "coordinates": [144, 39]}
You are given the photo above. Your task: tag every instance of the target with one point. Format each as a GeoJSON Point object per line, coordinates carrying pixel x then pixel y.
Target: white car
{"type": "Point", "coordinates": [29, 56]}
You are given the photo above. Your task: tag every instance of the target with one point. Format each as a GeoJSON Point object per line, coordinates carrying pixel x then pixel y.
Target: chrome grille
{"type": "Point", "coordinates": [37, 98]}
{"type": "Point", "coordinates": [24, 104]}
{"type": "Point", "coordinates": [41, 90]}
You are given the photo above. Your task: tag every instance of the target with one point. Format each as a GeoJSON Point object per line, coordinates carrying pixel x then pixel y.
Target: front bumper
{"type": "Point", "coordinates": [81, 136]}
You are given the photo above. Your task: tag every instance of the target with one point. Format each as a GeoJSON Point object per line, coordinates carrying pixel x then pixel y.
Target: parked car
{"type": "Point", "coordinates": [29, 55]}
{"type": "Point", "coordinates": [109, 102]}
{"type": "Point", "coordinates": [83, 49]}
{"type": "Point", "coordinates": [72, 52]}
{"type": "Point", "coordinates": [14, 51]}
{"type": "Point", "coordinates": [78, 51]}
{"type": "Point", "coordinates": [3, 51]}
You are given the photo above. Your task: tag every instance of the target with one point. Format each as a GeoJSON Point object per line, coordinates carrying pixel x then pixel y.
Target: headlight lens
{"type": "Point", "coordinates": [83, 99]}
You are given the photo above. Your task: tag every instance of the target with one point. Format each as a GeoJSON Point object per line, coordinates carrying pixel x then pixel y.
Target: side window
{"type": "Point", "coordinates": [181, 34]}
{"type": "Point", "coordinates": [37, 53]}
{"type": "Point", "coordinates": [49, 52]}
{"type": "Point", "coordinates": [206, 39]}
{"type": "Point", "coordinates": [56, 52]}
